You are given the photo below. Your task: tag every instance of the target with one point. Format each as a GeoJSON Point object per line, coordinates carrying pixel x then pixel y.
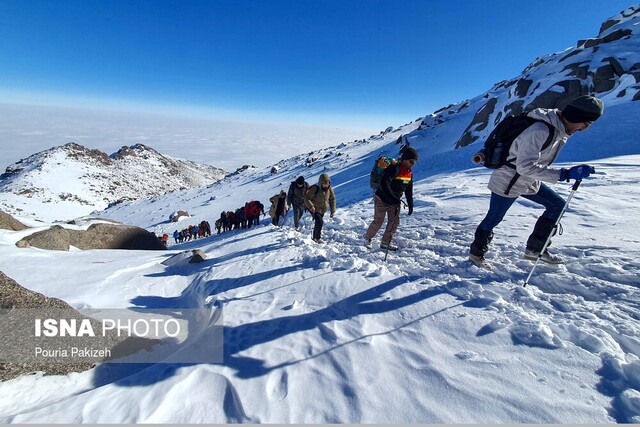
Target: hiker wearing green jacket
{"type": "Point", "coordinates": [318, 199]}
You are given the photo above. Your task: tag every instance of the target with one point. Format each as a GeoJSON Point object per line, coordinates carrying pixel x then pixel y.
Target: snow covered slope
{"type": "Point", "coordinates": [71, 181]}
{"type": "Point", "coordinates": [332, 333]}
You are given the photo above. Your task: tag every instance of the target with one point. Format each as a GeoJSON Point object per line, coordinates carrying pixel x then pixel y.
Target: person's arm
{"type": "Point", "coordinates": [528, 151]}
{"type": "Point", "coordinates": [308, 202]}
{"type": "Point", "coordinates": [332, 201]}
{"type": "Point", "coordinates": [385, 182]}
{"type": "Point", "coordinates": [408, 193]}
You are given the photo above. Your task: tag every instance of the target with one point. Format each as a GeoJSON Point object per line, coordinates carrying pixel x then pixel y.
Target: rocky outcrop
{"type": "Point", "coordinates": [175, 217]}
{"type": "Point", "coordinates": [615, 35]}
{"type": "Point", "coordinates": [14, 296]}
{"type": "Point", "coordinates": [479, 122]}
{"type": "Point", "coordinates": [185, 258]}
{"type": "Point", "coordinates": [97, 236]}
{"type": "Point", "coordinates": [7, 222]}
{"type": "Point", "coordinates": [24, 305]}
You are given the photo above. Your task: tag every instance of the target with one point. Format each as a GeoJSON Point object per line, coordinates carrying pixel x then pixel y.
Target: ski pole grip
{"type": "Point", "coordinates": [576, 185]}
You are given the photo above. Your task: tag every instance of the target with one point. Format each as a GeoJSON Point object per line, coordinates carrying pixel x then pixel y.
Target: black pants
{"type": "Point", "coordinates": [298, 211]}
{"type": "Point", "coordinates": [318, 223]}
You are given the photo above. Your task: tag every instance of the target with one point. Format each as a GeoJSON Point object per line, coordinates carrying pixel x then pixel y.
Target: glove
{"type": "Point", "coordinates": [410, 210]}
{"type": "Point", "coordinates": [576, 172]}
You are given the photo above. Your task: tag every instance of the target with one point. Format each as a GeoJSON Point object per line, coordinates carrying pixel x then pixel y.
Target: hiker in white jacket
{"type": "Point", "coordinates": [530, 156]}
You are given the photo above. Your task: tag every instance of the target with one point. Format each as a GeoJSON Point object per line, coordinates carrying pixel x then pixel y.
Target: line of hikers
{"type": "Point", "coordinates": [316, 199]}
{"type": "Point", "coordinates": [524, 168]}
{"type": "Point", "coordinates": [192, 232]}
{"type": "Point", "coordinates": [528, 151]}
{"type": "Point", "coordinates": [242, 218]}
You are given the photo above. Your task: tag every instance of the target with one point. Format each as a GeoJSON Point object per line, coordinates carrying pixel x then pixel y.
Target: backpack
{"type": "Point", "coordinates": [379, 166]}
{"type": "Point", "coordinates": [498, 143]}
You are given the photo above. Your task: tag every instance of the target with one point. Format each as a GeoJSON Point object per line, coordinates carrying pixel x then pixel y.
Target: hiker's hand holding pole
{"type": "Point", "coordinates": [576, 172]}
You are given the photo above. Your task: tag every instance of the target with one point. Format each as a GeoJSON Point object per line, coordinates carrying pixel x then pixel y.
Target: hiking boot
{"type": "Point", "coordinates": [480, 262]}
{"type": "Point", "coordinates": [367, 241]}
{"type": "Point", "coordinates": [546, 257]}
{"type": "Point", "coordinates": [388, 247]}
{"type": "Point", "coordinates": [318, 240]}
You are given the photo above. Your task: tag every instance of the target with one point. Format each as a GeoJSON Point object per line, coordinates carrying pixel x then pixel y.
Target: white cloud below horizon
{"type": "Point", "coordinates": [26, 130]}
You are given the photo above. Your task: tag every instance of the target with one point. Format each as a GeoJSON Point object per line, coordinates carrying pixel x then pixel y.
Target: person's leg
{"type": "Point", "coordinates": [545, 225]}
{"type": "Point", "coordinates": [317, 227]}
{"type": "Point", "coordinates": [297, 214]}
{"type": "Point", "coordinates": [393, 219]}
{"type": "Point", "coordinates": [379, 212]}
{"type": "Point", "coordinates": [498, 207]}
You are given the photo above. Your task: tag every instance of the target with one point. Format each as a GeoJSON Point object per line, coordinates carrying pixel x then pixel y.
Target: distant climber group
{"type": "Point", "coordinates": [242, 218]}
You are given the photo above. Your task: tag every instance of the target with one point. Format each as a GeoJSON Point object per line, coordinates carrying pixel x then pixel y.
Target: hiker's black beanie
{"type": "Point", "coordinates": [583, 109]}
{"type": "Point", "coordinates": [409, 153]}
{"type": "Point", "coordinates": [300, 180]}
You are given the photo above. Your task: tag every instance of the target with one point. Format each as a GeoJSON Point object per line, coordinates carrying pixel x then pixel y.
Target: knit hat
{"type": "Point", "coordinates": [409, 153]}
{"type": "Point", "coordinates": [584, 108]}
{"type": "Point", "coordinates": [300, 180]}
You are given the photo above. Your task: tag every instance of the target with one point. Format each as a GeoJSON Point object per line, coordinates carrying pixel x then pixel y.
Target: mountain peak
{"type": "Point", "coordinates": [133, 150]}
{"type": "Point", "coordinates": [83, 180]}
{"type": "Point", "coordinates": [79, 152]}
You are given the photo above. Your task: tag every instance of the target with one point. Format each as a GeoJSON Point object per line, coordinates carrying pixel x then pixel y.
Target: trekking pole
{"type": "Point", "coordinates": [564, 209]}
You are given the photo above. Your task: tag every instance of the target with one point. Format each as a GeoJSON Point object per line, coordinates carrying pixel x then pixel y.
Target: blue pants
{"type": "Point", "coordinates": [498, 207]}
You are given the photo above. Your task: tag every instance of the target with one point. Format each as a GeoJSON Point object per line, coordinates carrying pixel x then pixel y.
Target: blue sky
{"type": "Point", "coordinates": [363, 63]}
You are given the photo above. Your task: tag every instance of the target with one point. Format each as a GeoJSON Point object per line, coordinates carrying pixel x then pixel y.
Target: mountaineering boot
{"type": "Point", "coordinates": [480, 262]}
{"type": "Point", "coordinates": [546, 257]}
{"type": "Point", "coordinates": [367, 241]}
{"type": "Point", "coordinates": [388, 247]}
{"type": "Point", "coordinates": [543, 229]}
{"type": "Point", "coordinates": [481, 242]}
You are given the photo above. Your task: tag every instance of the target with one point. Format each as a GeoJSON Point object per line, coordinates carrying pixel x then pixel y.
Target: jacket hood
{"type": "Point", "coordinates": [324, 178]}
{"type": "Point", "coordinates": [551, 117]}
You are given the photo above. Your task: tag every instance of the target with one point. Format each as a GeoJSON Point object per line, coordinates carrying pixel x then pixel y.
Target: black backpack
{"type": "Point", "coordinates": [497, 146]}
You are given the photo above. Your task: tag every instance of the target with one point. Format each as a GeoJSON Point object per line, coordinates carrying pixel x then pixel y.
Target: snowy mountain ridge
{"type": "Point", "coordinates": [48, 182]}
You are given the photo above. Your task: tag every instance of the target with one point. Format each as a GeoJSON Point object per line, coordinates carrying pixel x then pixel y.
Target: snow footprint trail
{"type": "Point", "coordinates": [590, 302]}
